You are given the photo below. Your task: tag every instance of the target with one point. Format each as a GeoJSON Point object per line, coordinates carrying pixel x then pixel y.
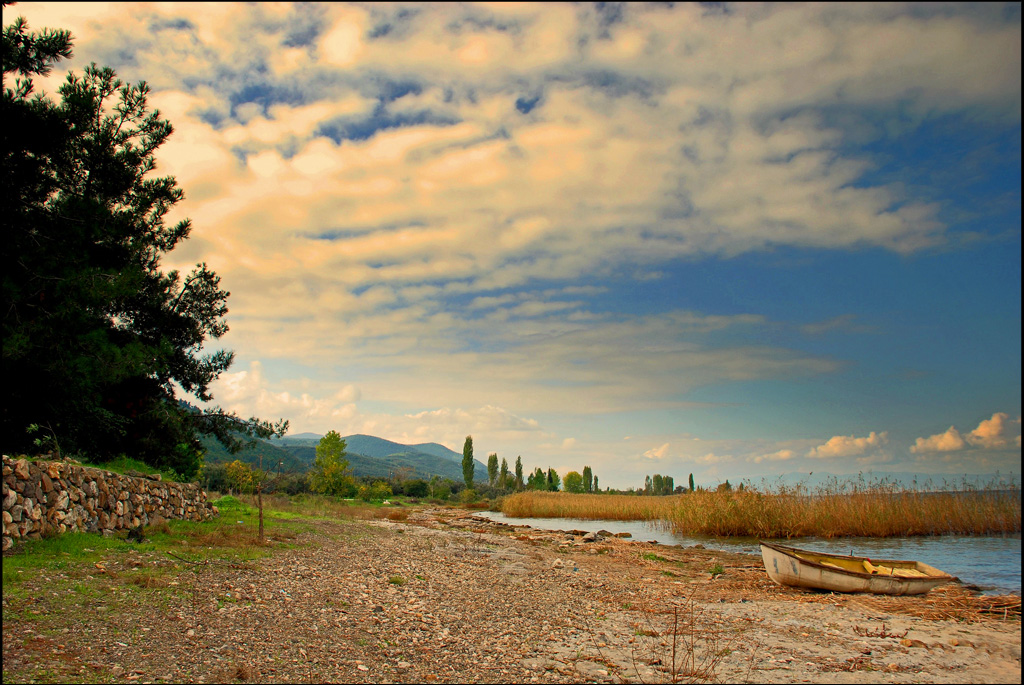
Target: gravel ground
{"type": "Point", "coordinates": [444, 597]}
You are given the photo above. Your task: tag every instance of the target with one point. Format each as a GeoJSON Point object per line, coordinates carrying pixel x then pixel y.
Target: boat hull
{"type": "Point", "coordinates": [814, 570]}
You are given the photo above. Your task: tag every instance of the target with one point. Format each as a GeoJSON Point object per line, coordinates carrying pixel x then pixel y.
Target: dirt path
{"type": "Point", "coordinates": [443, 597]}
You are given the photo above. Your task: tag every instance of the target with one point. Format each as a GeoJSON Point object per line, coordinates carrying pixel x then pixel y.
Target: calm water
{"type": "Point", "coordinates": [991, 563]}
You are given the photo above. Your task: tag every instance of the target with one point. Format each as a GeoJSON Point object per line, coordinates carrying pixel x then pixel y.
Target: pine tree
{"type": "Point", "coordinates": [97, 338]}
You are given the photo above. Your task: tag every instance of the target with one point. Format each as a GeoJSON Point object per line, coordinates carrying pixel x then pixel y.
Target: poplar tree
{"type": "Point", "coordinates": [588, 479]}
{"type": "Point", "coordinates": [492, 468]}
{"type": "Point", "coordinates": [519, 473]}
{"type": "Point", "coordinates": [503, 476]}
{"type": "Point", "coordinates": [467, 462]}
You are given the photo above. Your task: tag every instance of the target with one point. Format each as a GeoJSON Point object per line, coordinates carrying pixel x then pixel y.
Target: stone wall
{"type": "Point", "coordinates": [44, 497]}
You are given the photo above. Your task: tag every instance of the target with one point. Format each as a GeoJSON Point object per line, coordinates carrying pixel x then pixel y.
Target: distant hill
{"type": "Point", "coordinates": [274, 456]}
{"type": "Point", "coordinates": [376, 457]}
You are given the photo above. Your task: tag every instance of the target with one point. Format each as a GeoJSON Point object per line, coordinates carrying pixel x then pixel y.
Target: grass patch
{"type": "Point", "coordinates": [124, 464]}
{"type": "Point", "coordinates": [651, 556]}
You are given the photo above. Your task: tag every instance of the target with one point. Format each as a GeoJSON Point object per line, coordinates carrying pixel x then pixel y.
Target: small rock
{"type": "Point", "coordinates": [907, 642]}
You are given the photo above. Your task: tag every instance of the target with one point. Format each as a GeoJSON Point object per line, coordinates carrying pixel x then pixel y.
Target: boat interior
{"type": "Point", "coordinates": [856, 565]}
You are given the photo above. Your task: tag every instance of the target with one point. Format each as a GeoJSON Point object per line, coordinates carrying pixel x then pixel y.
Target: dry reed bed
{"type": "Point", "coordinates": [870, 511]}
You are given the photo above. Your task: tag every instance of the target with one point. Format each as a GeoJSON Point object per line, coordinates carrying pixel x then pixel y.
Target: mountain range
{"type": "Point", "coordinates": [367, 456]}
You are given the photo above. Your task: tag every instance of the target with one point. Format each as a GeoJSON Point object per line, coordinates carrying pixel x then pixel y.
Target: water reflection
{"type": "Point", "coordinates": [991, 563]}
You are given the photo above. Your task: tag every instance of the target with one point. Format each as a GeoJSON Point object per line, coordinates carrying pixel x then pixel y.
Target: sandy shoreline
{"type": "Point", "coordinates": [445, 597]}
{"type": "Point", "coordinates": [776, 634]}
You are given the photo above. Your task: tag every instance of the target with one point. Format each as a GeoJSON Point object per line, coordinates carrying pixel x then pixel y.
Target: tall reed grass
{"type": "Point", "coordinates": [836, 509]}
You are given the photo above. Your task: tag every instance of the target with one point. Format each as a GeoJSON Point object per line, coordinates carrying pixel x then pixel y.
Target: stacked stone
{"type": "Point", "coordinates": [50, 497]}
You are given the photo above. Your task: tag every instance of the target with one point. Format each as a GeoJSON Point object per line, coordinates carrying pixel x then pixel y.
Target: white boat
{"type": "Point", "coordinates": [822, 571]}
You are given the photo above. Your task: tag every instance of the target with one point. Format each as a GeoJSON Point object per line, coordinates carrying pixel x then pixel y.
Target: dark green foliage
{"type": "Point", "coordinates": [492, 469]}
{"type": "Point", "coordinates": [416, 487]}
{"type": "Point", "coordinates": [96, 336]}
{"type": "Point", "coordinates": [659, 485]}
{"type": "Point", "coordinates": [467, 462]}
{"type": "Point", "coordinates": [503, 475]}
{"type": "Point", "coordinates": [588, 479]}
{"type": "Point", "coordinates": [553, 481]}
{"type": "Point", "coordinates": [537, 480]}
{"type": "Point", "coordinates": [691, 482]}
{"type": "Point", "coordinates": [519, 473]}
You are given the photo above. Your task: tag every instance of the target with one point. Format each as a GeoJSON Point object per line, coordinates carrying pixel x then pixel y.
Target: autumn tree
{"type": "Point", "coordinates": [573, 482]}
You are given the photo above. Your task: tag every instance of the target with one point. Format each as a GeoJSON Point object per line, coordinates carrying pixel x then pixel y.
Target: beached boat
{"type": "Point", "coordinates": [820, 571]}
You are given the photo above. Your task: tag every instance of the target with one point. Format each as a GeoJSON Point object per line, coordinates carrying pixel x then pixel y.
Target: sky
{"type": "Point", "coordinates": [736, 241]}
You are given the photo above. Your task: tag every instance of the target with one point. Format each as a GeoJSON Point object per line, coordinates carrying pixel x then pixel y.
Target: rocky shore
{"type": "Point", "coordinates": [444, 596]}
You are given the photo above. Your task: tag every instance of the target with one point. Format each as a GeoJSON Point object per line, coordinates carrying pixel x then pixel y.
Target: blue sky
{"type": "Point", "coordinates": [736, 241]}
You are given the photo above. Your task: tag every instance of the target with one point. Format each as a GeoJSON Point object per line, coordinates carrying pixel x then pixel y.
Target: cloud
{"type": "Point", "coordinates": [780, 455]}
{"type": "Point", "coordinates": [631, 153]}
{"type": "Point", "coordinates": [657, 452]}
{"type": "Point", "coordinates": [997, 433]}
{"type": "Point", "coordinates": [950, 441]}
{"type": "Point", "coordinates": [848, 446]}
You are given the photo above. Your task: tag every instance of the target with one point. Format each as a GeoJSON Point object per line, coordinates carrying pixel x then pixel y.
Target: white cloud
{"type": "Point", "coordinates": [849, 445]}
{"type": "Point", "coordinates": [997, 433]}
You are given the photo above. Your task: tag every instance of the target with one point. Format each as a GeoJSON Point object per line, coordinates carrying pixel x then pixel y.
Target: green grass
{"type": "Point", "coordinates": [651, 556]}
{"type": "Point", "coordinates": [123, 465]}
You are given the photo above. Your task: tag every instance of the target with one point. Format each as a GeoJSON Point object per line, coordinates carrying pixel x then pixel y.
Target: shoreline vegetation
{"type": "Point", "coordinates": [833, 510]}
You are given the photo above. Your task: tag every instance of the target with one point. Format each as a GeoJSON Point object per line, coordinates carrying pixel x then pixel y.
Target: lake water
{"type": "Point", "coordinates": [991, 563]}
